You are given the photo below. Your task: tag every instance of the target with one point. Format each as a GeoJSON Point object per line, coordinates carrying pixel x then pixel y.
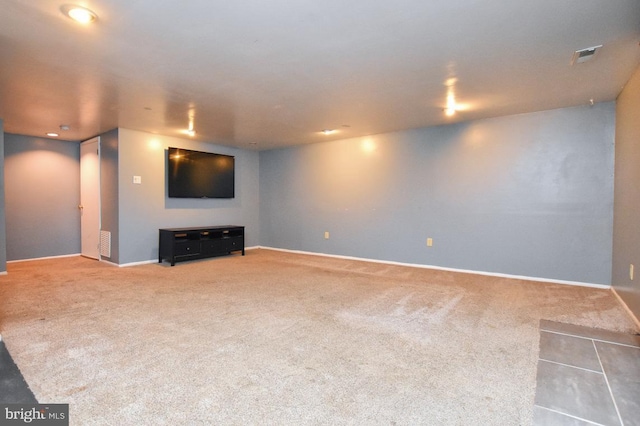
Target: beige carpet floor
{"type": "Point", "coordinates": [278, 338]}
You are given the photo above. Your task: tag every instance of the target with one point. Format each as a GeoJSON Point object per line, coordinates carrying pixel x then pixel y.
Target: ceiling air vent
{"type": "Point", "coordinates": [584, 55]}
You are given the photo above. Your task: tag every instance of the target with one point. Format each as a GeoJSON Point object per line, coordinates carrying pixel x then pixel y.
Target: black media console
{"type": "Point", "coordinates": [177, 244]}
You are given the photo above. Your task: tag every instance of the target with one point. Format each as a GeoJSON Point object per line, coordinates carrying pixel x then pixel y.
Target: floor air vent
{"type": "Point", "coordinates": [105, 243]}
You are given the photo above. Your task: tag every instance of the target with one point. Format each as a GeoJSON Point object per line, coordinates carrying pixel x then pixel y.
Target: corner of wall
{"type": "Point", "coordinates": [3, 233]}
{"type": "Point", "coordinates": [109, 204]}
{"type": "Point", "coordinates": [626, 251]}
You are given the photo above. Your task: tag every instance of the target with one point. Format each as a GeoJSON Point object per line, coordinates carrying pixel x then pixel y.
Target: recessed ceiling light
{"type": "Point", "coordinates": [328, 131]}
{"type": "Point", "coordinates": [53, 134]}
{"type": "Point", "coordinates": [452, 107]}
{"type": "Point", "coordinates": [79, 14]}
{"type": "Point", "coordinates": [65, 127]}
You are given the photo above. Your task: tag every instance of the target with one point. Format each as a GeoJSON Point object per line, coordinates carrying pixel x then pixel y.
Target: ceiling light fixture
{"type": "Point", "coordinates": [450, 110]}
{"type": "Point", "coordinates": [452, 106]}
{"type": "Point", "coordinates": [79, 14]}
{"type": "Point", "coordinates": [53, 134]}
{"type": "Point", "coordinates": [328, 131]}
{"type": "Point", "coordinates": [192, 118]}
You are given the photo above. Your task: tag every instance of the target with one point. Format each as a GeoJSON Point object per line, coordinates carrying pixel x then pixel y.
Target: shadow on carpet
{"type": "Point", "coordinates": [13, 388]}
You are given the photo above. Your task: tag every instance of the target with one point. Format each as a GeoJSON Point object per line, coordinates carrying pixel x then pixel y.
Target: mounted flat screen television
{"type": "Point", "coordinates": [195, 174]}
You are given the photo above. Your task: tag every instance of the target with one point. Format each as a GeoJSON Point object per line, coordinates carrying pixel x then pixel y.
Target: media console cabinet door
{"type": "Point", "coordinates": [187, 248]}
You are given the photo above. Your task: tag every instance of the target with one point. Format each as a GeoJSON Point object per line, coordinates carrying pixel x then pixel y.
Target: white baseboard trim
{"type": "Point", "coordinates": [146, 262]}
{"type": "Point", "coordinates": [43, 258]}
{"type": "Point", "coordinates": [442, 268]}
{"type": "Point", "coordinates": [363, 259]}
{"type": "Point", "coordinates": [4, 273]}
{"type": "Point", "coordinates": [126, 265]}
{"type": "Point", "coordinates": [626, 307]}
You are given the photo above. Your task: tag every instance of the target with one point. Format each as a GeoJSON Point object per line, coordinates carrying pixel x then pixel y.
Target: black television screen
{"type": "Point", "coordinates": [195, 174]}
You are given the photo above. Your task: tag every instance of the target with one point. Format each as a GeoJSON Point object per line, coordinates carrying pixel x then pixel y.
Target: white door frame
{"type": "Point", "coordinates": [90, 222]}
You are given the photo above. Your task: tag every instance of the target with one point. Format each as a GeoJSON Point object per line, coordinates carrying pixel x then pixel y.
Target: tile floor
{"type": "Point", "coordinates": [587, 376]}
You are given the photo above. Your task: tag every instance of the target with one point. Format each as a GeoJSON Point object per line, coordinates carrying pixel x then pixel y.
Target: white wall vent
{"type": "Point", "coordinates": [584, 55]}
{"type": "Point", "coordinates": [105, 243]}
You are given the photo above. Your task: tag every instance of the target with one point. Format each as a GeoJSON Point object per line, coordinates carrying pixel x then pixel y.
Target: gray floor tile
{"type": "Point", "coordinates": [592, 333]}
{"type": "Point", "coordinates": [622, 367]}
{"type": "Point", "coordinates": [569, 350]}
{"type": "Point", "coordinates": [544, 417]}
{"type": "Point", "coordinates": [580, 393]}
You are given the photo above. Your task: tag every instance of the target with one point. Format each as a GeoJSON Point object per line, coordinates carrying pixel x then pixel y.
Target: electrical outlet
{"type": "Point", "coordinates": [429, 242]}
{"type": "Point", "coordinates": [326, 235]}
{"type": "Point", "coordinates": [631, 271]}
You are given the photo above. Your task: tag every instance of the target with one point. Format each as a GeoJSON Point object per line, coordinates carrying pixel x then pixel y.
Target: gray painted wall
{"type": "Point", "coordinates": [109, 204]}
{"type": "Point", "coordinates": [42, 194]}
{"type": "Point", "coordinates": [144, 208]}
{"type": "Point", "coordinates": [3, 228]}
{"type": "Point", "coordinates": [529, 195]}
{"type": "Point", "coordinates": [626, 230]}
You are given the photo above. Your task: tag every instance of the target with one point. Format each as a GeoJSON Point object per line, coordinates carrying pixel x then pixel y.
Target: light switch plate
{"type": "Point", "coordinates": [137, 179]}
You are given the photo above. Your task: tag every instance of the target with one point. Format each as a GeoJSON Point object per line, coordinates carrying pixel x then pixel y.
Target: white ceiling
{"type": "Point", "coordinates": [263, 74]}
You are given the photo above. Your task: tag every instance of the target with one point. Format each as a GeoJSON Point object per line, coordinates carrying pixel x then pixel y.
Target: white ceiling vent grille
{"type": "Point", "coordinates": [584, 55]}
